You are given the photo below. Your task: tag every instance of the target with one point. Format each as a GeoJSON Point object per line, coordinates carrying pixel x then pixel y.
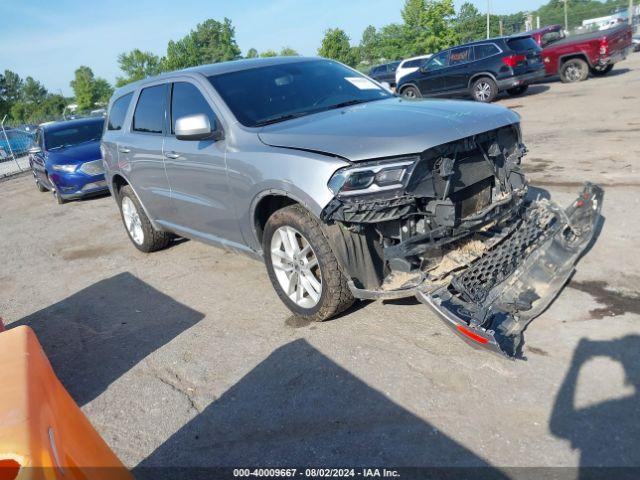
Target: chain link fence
{"type": "Point", "coordinates": [15, 142]}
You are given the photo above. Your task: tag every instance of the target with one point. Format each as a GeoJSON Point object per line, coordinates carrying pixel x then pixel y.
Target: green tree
{"type": "Point", "coordinates": [288, 52]}
{"type": "Point", "coordinates": [335, 45]}
{"type": "Point", "coordinates": [269, 53]}
{"type": "Point", "coordinates": [369, 47]}
{"type": "Point", "coordinates": [252, 53]}
{"type": "Point", "coordinates": [102, 91]}
{"type": "Point", "coordinates": [393, 42]}
{"type": "Point", "coordinates": [210, 42]}
{"type": "Point", "coordinates": [89, 90]}
{"type": "Point", "coordinates": [471, 25]}
{"type": "Point", "coordinates": [33, 91]}
{"type": "Point", "coordinates": [429, 25]}
{"type": "Point", "coordinates": [137, 65]}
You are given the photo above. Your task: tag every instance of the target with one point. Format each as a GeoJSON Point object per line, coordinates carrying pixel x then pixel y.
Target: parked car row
{"type": "Point", "coordinates": [485, 68]}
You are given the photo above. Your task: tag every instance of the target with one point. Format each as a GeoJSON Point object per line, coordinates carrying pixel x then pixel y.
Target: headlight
{"type": "Point", "coordinates": [69, 168]}
{"type": "Point", "coordinates": [372, 177]}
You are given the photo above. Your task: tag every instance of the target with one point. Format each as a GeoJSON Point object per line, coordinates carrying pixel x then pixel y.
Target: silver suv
{"type": "Point", "coordinates": [345, 190]}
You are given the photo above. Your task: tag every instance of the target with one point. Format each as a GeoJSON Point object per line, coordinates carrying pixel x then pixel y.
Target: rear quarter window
{"type": "Point", "coordinates": [118, 112]}
{"type": "Point", "coordinates": [522, 44]}
{"type": "Point", "coordinates": [485, 50]}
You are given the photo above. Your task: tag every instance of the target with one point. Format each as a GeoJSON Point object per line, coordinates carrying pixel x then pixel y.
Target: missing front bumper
{"type": "Point", "coordinates": [491, 302]}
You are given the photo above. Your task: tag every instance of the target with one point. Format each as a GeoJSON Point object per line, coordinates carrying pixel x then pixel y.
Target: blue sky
{"type": "Point", "coordinates": [50, 39]}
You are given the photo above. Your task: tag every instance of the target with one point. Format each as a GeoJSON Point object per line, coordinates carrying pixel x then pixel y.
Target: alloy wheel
{"type": "Point", "coordinates": [574, 72]}
{"type": "Point", "coordinates": [132, 220]}
{"type": "Point", "coordinates": [483, 91]}
{"type": "Point", "coordinates": [296, 267]}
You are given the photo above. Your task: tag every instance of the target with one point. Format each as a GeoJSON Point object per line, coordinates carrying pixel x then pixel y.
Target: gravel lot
{"type": "Point", "coordinates": [187, 357]}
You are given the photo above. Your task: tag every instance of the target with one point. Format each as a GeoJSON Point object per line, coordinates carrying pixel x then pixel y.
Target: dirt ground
{"type": "Point", "coordinates": [187, 357]}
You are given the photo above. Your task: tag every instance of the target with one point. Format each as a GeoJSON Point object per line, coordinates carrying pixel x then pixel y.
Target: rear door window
{"type": "Point", "coordinates": [460, 55]}
{"type": "Point", "coordinates": [485, 50]}
{"type": "Point", "coordinates": [150, 110]}
{"type": "Point", "coordinates": [119, 112]}
{"type": "Point", "coordinates": [186, 99]}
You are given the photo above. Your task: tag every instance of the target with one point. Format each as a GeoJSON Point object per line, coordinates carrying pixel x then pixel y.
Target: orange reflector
{"type": "Point", "coordinates": [9, 469]}
{"type": "Point", "coordinates": [473, 336]}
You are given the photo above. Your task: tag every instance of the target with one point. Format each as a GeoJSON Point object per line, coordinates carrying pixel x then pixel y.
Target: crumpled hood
{"type": "Point", "coordinates": [84, 152]}
{"type": "Point", "coordinates": [387, 127]}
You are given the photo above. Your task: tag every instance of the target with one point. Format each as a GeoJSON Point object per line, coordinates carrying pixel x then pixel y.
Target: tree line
{"type": "Point", "coordinates": [427, 26]}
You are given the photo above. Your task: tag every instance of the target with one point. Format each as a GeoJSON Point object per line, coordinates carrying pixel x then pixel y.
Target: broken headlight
{"type": "Point", "coordinates": [372, 177]}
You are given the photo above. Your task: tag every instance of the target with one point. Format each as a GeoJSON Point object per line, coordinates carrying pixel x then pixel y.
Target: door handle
{"type": "Point", "coordinates": [172, 155]}
{"type": "Point", "coordinates": [124, 150]}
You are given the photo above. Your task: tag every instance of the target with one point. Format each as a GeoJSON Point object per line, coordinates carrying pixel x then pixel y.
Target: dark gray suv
{"type": "Point", "coordinates": [345, 190]}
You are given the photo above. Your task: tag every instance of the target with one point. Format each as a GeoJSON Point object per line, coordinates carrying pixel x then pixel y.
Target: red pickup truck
{"type": "Point", "coordinates": [573, 57]}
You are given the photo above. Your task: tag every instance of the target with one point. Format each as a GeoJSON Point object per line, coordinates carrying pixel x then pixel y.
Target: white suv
{"type": "Point", "coordinates": [410, 65]}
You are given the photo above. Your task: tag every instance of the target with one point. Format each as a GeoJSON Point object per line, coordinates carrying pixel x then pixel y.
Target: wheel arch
{"type": "Point", "coordinates": [569, 56]}
{"type": "Point", "coordinates": [478, 75]}
{"type": "Point", "coordinates": [118, 181]}
{"type": "Point", "coordinates": [408, 84]}
{"type": "Point", "coordinates": [265, 205]}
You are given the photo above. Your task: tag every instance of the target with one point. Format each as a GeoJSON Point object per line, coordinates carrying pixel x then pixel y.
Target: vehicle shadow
{"type": "Point", "coordinates": [606, 434]}
{"type": "Point", "coordinates": [99, 333]}
{"type": "Point", "coordinates": [534, 89]}
{"type": "Point", "coordinates": [298, 408]}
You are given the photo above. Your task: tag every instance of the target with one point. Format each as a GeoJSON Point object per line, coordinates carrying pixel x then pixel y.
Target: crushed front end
{"type": "Point", "coordinates": [456, 227]}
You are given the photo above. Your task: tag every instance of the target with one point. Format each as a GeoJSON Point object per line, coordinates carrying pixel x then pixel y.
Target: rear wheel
{"type": "Point", "coordinates": [574, 70]}
{"type": "Point", "coordinates": [137, 224]}
{"type": "Point", "coordinates": [411, 92]}
{"type": "Point", "coordinates": [518, 90]}
{"type": "Point", "coordinates": [484, 89]}
{"type": "Point", "coordinates": [302, 267]}
{"type": "Point", "coordinates": [601, 70]}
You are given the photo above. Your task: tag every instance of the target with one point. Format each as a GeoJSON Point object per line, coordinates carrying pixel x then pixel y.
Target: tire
{"type": "Point", "coordinates": [574, 70]}
{"type": "Point", "coordinates": [484, 90]}
{"type": "Point", "coordinates": [411, 92]}
{"type": "Point", "coordinates": [518, 90]}
{"type": "Point", "coordinates": [138, 226]}
{"type": "Point", "coordinates": [39, 186]}
{"type": "Point", "coordinates": [601, 71]}
{"type": "Point", "coordinates": [334, 296]}
{"type": "Point", "coordinates": [59, 200]}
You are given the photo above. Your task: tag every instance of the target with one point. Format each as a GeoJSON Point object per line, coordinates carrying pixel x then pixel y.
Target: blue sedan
{"type": "Point", "coordinates": [67, 159]}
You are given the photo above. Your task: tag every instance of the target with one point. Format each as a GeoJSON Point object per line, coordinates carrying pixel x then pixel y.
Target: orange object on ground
{"type": "Point", "coordinates": [42, 430]}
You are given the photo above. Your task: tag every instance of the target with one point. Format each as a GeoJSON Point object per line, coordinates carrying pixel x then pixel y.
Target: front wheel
{"type": "Point", "coordinates": [601, 70]}
{"type": "Point", "coordinates": [411, 92]}
{"type": "Point", "coordinates": [574, 70]}
{"type": "Point", "coordinates": [484, 90]}
{"type": "Point", "coordinates": [518, 90]}
{"type": "Point", "coordinates": [137, 224]}
{"type": "Point", "coordinates": [302, 267]}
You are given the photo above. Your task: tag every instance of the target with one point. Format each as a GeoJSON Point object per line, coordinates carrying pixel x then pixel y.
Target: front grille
{"type": "Point", "coordinates": [92, 168]}
{"type": "Point", "coordinates": [475, 283]}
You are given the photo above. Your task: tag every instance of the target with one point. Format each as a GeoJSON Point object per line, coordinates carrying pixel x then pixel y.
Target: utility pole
{"type": "Point", "coordinates": [488, 15]}
{"type": "Point", "coordinates": [566, 21]}
{"type": "Point", "coordinates": [538, 23]}
{"type": "Point", "coordinates": [500, 27]}
{"type": "Point", "coordinates": [631, 12]}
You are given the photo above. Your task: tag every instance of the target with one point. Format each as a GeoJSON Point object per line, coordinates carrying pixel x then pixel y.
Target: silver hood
{"type": "Point", "coordinates": [387, 128]}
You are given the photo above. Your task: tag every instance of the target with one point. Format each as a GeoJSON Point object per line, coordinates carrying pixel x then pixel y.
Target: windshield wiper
{"type": "Point", "coordinates": [348, 103]}
{"type": "Point", "coordinates": [279, 118]}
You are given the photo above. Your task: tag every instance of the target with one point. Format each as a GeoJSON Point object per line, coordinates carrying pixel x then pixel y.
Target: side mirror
{"type": "Point", "coordinates": [33, 150]}
{"type": "Point", "coordinates": [196, 127]}
{"type": "Point", "coordinates": [423, 68]}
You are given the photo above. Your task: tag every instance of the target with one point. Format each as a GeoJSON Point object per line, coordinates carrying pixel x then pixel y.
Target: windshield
{"type": "Point", "coordinates": [264, 95]}
{"type": "Point", "coordinates": [73, 135]}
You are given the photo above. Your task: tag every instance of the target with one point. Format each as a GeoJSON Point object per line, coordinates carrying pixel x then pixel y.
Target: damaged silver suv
{"type": "Point", "coordinates": [346, 191]}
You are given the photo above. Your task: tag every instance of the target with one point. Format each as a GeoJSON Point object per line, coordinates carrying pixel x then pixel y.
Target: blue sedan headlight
{"type": "Point", "coordinates": [68, 168]}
